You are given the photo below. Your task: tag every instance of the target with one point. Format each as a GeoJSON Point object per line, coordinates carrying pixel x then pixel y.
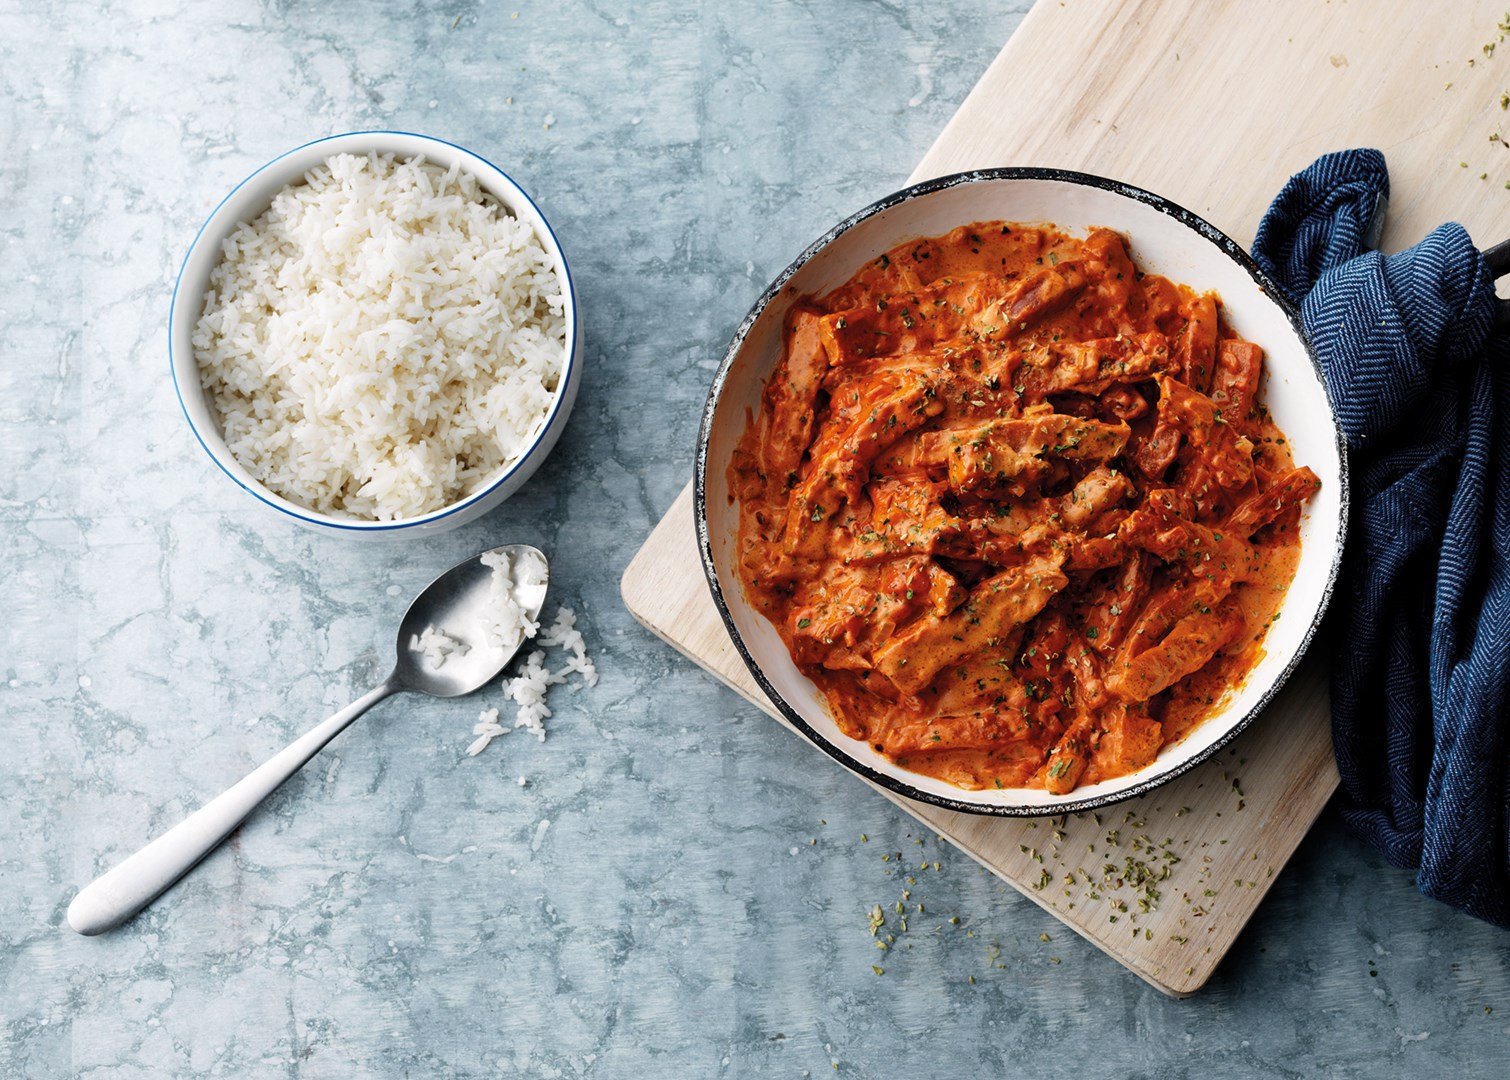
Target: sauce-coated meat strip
{"type": "Point", "coordinates": [995, 607]}
{"type": "Point", "coordinates": [1187, 648]}
{"type": "Point", "coordinates": [998, 451]}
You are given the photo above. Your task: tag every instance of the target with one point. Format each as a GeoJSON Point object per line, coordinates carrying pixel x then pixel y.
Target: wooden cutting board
{"type": "Point", "coordinates": [1213, 104]}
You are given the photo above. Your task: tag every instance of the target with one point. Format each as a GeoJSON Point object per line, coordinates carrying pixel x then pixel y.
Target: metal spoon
{"type": "Point", "coordinates": [457, 602]}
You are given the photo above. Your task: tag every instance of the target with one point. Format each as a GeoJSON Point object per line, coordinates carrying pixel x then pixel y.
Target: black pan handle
{"type": "Point", "coordinates": [1497, 259]}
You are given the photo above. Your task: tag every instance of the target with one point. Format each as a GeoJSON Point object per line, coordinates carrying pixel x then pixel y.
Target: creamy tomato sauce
{"type": "Point", "coordinates": [1015, 508]}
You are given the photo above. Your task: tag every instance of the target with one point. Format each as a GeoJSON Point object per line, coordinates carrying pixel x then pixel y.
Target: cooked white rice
{"type": "Point", "coordinates": [507, 624]}
{"type": "Point", "coordinates": [564, 632]}
{"type": "Point", "coordinates": [382, 340]}
{"type": "Point", "coordinates": [529, 688]}
{"type": "Point", "coordinates": [435, 645]}
{"type": "Point", "coordinates": [486, 729]}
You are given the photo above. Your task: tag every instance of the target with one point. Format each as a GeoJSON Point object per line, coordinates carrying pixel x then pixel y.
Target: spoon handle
{"type": "Point", "coordinates": [120, 893]}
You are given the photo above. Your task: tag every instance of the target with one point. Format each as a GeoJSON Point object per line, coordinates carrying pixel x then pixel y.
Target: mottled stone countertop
{"type": "Point", "coordinates": [696, 904]}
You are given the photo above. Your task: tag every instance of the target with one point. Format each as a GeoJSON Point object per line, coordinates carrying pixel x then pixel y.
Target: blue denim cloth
{"type": "Point", "coordinates": [1421, 617]}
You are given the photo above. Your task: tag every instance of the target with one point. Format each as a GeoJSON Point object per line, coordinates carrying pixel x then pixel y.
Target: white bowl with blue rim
{"type": "Point", "coordinates": [254, 195]}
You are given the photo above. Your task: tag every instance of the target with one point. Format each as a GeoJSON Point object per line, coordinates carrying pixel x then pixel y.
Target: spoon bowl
{"type": "Point", "coordinates": [459, 603]}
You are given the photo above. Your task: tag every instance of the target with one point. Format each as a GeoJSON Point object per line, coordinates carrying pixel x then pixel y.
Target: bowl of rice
{"type": "Point", "coordinates": [376, 335]}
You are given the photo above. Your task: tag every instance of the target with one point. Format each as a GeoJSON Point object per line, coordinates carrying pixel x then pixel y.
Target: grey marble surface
{"type": "Point", "coordinates": [681, 887]}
